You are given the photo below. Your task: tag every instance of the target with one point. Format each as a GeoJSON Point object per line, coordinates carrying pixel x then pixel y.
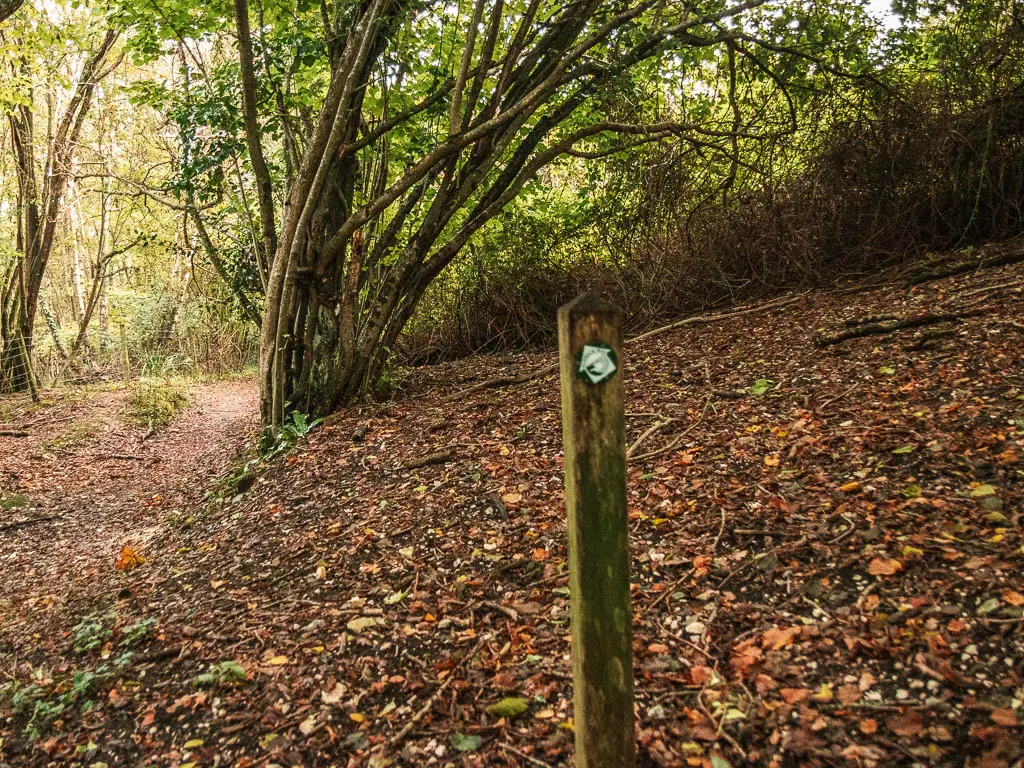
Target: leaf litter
{"type": "Point", "coordinates": [817, 578]}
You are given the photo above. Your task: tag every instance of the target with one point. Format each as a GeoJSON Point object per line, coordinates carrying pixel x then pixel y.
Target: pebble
{"type": "Point", "coordinates": [695, 628]}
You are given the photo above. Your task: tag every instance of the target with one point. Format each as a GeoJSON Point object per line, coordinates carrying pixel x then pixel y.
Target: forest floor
{"type": "Point", "coordinates": [84, 481]}
{"type": "Point", "coordinates": [827, 557]}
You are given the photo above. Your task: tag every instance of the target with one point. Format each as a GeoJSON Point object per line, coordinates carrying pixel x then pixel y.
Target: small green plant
{"type": "Point", "coordinates": [14, 501]}
{"type": "Point", "coordinates": [155, 404]}
{"type": "Point", "coordinates": [75, 435]}
{"type": "Point", "coordinates": [224, 673]}
{"type": "Point", "coordinates": [390, 382]}
{"type": "Point", "coordinates": [137, 632]}
{"type": "Point", "coordinates": [91, 632]}
{"type": "Point", "coordinates": [296, 428]}
{"type": "Point", "coordinates": [44, 707]}
{"type": "Point", "coordinates": [760, 387]}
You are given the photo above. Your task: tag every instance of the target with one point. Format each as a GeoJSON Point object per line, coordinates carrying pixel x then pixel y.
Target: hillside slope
{"type": "Point", "coordinates": [826, 573]}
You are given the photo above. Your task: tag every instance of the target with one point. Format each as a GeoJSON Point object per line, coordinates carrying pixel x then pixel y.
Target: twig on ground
{"type": "Point", "coordinates": [677, 440]}
{"type": "Point", "coordinates": [721, 528]}
{"type": "Point", "coordinates": [503, 381]}
{"type": "Point", "coordinates": [421, 713]}
{"type": "Point", "coordinates": [524, 756]}
{"type": "Point", "coordinates": [781, 548]}
{"type": "Point", "coordinates": [720, 726]}
{"type": "Point", "coordinates": [837, 398]}
{"type": "Point", "coordinates": [648, 432]}
{"type": "Point", "coordinates": [963, 267]}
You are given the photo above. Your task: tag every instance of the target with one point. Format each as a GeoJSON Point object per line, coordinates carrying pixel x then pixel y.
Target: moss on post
{"type": "Point", "coordinates": [590, 347]}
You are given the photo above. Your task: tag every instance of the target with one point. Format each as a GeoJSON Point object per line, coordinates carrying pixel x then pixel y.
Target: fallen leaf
{"type": "Point", "coordinates": [910, 723]}
{"type": "Point", "coordinates": [127, 559]}
{"type": "Point", "coordinates": [848, 694]}
{"type": "Point", "coordinates": [884, 566]}
{"type": "Point", "coordinates": [334, 695]}
{"type": "Point", "coordinates": [1013, 598]}
{"type": "Point", "coordinates": [795, 695]}
{"type": "Point", "coordinates": [1005, 717]}
{"type": "Point", "coordinates": [361, 623]}
{"type": "Point", "coordinates": [464, 743]}
{"type": "Point", "coordinates": [776, 638]}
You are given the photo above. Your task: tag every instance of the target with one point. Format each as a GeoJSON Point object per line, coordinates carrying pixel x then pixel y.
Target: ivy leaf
{"type": "Point", "coordinates": [465, 743]}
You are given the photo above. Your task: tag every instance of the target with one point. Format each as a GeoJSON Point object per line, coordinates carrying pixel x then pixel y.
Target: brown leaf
{"type": "Point", "coordinates": [795, 695]}
{"type": "Point", "coordinates": [848, 694]}
{"type": "Point", "coordinates": [884, 566]}
{"type": "Point", "coordinates": [910, 723]}
{"type": "Point", "coordinates": [1005, 717]}
{"type": "Point", "coordinates": [776, 638]}
{"type": "Point", "coordinates": [701, 675]}
{"type": "Point", "coordinates": [764, 683]}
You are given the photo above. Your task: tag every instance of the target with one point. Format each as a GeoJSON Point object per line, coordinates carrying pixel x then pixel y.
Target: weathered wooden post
{"type": "Point", "coordinates": [593, 425]}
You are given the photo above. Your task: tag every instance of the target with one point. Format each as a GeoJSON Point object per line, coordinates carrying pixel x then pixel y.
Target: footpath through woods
{"type": "Point", "coordinates": [825, 515]}
{"type": "Point", "coordinates": [79, 481]}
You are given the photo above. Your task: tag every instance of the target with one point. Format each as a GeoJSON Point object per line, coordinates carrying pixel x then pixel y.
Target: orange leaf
{"type": "Point", "coordinates": [868, 726]}
{"type": "Point", "coordinates": [127, 559]}
{"type": "Point", "coordinates": [884, 566]}
{"type": "Point", "coordinates": [776, 638]}
{"type": "Point", "coordinates": [795, 695]}
{"type": "Point", "coordinates": [1005, 717]}
{"type": "Point", "coordinates": [1013, 598]}
{"type": "Point", "coordinates": [541, 554]}
{"type": "Point", "coordinates": [701, 675]}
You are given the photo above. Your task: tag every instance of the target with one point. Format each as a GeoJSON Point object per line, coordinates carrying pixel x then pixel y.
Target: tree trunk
{"type": "Point", "coordinates": [8, 7]}
{"type": "Point", "coordinates": [39, 212]}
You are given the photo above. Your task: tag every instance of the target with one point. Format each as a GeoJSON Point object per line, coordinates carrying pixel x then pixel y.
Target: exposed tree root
{"type": "Point", "coordinates": [26, 523]}
{"type": "Point", "coordinates": [880, 329]}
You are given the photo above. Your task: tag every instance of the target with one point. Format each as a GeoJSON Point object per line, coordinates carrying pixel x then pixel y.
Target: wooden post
{"type": "Point", "coordinates": [593, 424]}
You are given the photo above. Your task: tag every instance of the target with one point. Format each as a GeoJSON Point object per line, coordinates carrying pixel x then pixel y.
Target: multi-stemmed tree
{"type": "Point", "coordinates": [431, 122]}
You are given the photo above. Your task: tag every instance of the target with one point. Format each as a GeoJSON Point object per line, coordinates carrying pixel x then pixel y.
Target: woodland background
{"type": "Point", "coordinates": [819, 143]}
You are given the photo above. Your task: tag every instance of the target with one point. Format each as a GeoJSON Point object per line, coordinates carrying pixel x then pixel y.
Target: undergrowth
{"type": "Point", "coordinates": [155, 403]}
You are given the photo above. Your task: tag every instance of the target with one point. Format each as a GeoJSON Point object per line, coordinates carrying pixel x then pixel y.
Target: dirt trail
{"type": "Point", "coordinates": [93, 483]}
